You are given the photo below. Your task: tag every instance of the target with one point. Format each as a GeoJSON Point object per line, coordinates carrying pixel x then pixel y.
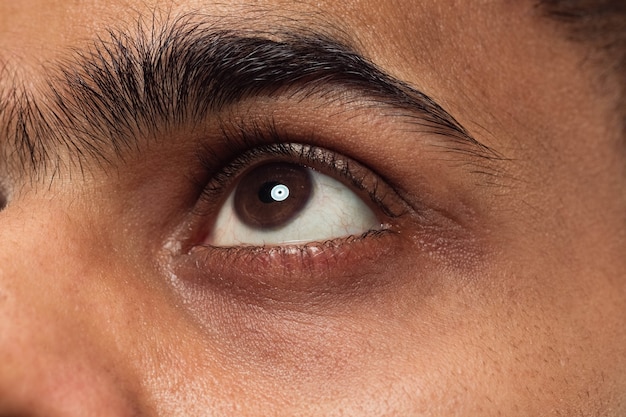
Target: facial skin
{"type": "Point", "coordinates": [496, 287]}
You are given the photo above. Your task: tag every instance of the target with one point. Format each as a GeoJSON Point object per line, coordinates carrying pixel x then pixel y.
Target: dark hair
{"type": "Point", "coordinates": [600, 23]}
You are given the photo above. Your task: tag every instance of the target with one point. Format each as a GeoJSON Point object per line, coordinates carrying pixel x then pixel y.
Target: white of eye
{"type": "Point", "coordinates": [332, 210]}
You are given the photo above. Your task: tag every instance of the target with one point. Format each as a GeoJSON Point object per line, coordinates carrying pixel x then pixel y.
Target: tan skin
{"type": "Point", "coordinates": [504, 293]}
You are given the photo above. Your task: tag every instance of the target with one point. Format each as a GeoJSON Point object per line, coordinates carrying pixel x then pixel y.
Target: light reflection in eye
{"type": "Point", "coordinates": [283, 203]}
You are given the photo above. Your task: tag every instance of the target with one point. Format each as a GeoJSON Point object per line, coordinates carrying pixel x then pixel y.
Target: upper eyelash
{"type": "Point", "coordinates": [247, 143]}
{"type": "Point", "coordinates": [306, 155]}
{"type": "Point", "coordinates": [238, 138]}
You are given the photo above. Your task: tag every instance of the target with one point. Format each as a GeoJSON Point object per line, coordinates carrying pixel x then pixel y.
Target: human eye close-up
{"type": "Point", "coordinates": [280, 202]}
{"type": "Point", "coordinates": [312, 208]}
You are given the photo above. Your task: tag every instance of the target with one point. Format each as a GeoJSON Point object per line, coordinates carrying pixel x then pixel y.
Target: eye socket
{"type": "Point", "coordinates": [277, 203]}
{"type": "Point", "coordinates": [334, 225]}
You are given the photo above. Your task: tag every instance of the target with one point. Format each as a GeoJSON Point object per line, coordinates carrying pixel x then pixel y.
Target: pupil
{"type": "Point", "coordinates": [271, 195]}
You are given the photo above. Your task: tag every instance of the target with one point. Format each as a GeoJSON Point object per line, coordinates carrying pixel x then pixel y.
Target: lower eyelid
{"type": "Point", "coordinates": [280, 273]}
{"type": "Point", "coordinates": [323, 275]}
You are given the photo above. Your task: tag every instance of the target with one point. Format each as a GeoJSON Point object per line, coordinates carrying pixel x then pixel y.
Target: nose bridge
{"type": "Point", "coordinates": [51, 363]}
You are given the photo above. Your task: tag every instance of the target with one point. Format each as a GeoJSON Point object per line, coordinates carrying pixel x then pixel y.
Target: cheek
{"type": "Point", "coordinates": [97, 325]}
{"type": "Point", "coordinates": [59, 338]}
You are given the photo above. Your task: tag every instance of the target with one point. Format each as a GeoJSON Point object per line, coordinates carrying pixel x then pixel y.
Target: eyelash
{"type": "Point", "coordinates": [254, 144]}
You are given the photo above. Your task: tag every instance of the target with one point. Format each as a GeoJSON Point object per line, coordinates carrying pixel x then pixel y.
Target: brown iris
{"type": "Point", "coordinates": [271, 195]}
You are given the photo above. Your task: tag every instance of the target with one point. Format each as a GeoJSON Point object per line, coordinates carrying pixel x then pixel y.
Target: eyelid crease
{"type": "Point", "coordinates": [254, 144]}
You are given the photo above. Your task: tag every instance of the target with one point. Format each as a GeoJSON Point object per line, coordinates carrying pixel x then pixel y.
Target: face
{"type": "Point", "coordinates": [307, 208]}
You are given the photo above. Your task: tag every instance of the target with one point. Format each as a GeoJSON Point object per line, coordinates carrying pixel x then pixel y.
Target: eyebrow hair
{"type": "Point", "coordinates": [126, 87]}
{"type": "Point", "coordinates": [601, 25]}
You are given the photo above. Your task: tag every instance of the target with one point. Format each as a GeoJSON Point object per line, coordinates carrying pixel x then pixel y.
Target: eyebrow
{"type": "Point", "coordinates": [102, 101]}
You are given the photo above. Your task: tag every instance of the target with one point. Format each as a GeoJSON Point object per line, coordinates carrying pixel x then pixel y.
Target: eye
{"type": "Point", "coordinates": [277, 203]}
{"type": "Point", "coordinates": [277, 220]}
{"type": "Point", "coordinates": [285, 217]}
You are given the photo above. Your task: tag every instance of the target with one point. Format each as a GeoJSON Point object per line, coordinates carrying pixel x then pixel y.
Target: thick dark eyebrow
{"type": "Point", "coordinates": [104, 100]}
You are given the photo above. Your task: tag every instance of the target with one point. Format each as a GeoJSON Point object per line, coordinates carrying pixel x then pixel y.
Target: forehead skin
{"type": "Point", "coordinates": [535, 325]}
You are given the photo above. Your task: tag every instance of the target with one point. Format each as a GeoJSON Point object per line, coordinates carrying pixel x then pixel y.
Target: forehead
{"type": "Point", "coordinates": [416, 41]}
{"type": "Point", "coordinates": [392, 32]}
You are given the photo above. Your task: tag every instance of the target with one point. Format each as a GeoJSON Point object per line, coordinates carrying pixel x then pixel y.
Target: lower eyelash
{"type": "Point", "coordinates": [276, 272]}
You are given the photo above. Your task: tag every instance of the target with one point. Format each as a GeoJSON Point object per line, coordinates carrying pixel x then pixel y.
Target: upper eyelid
{"type": "Point", "coordinates": [131, 87]}
{"type": "Point", "coordinates": [256, 148]}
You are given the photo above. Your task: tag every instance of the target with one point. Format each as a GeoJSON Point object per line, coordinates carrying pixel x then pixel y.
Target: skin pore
{"type": "Point", "coordinates": [488, 146]}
